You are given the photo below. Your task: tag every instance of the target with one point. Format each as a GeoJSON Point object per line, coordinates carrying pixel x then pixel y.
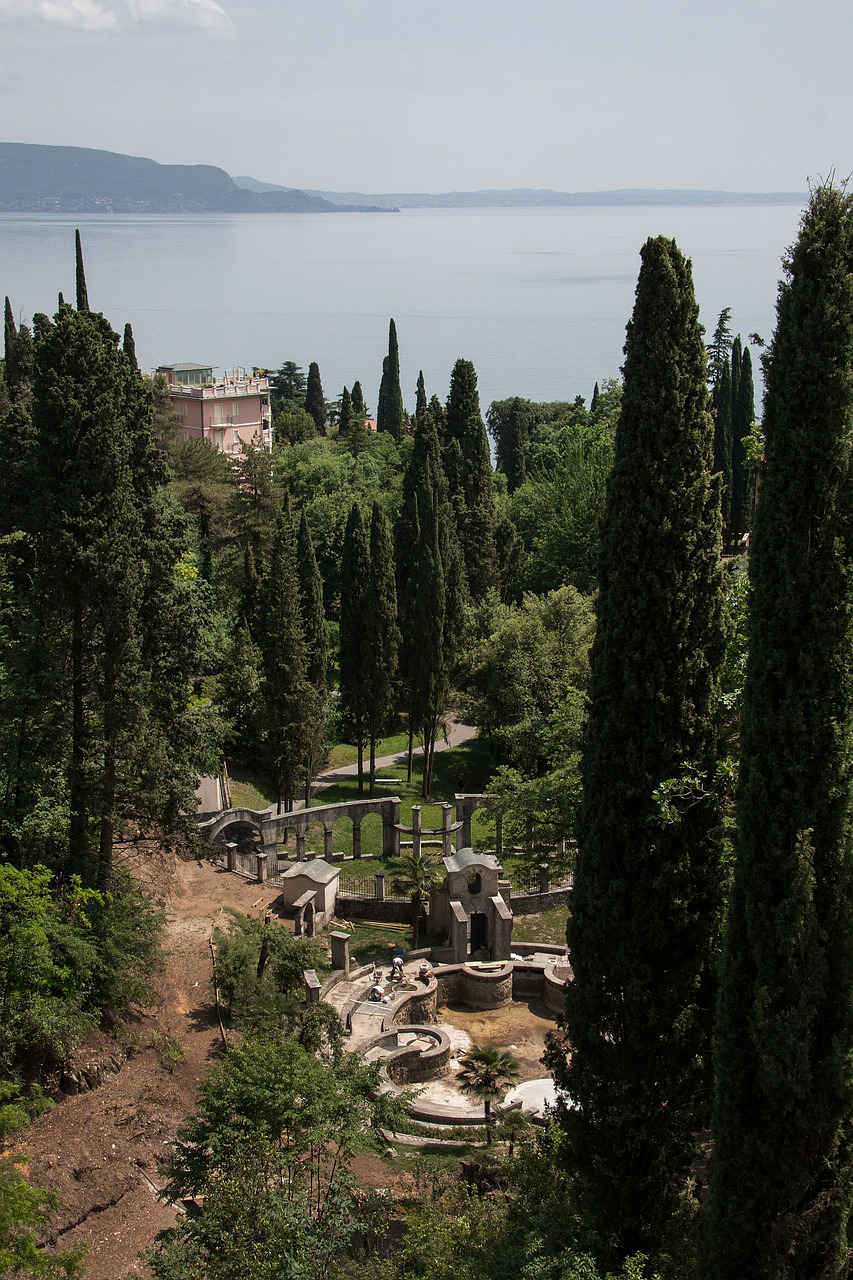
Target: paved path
{"type": "Point", "coordinates": [208, 791]}
{"type": "Point", "coordinates": [457, 733]}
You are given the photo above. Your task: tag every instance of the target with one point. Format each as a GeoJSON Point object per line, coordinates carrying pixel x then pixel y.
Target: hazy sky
{"type": "Point", "coordinates": [385, 95]}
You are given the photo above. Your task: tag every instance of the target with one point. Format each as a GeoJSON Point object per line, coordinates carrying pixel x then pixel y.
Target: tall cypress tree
{"type": "Point", "coordinates": [315, 401]}
{"type": "Point", "coordinates": [420, 396]}
{"type": "Point", "coordinates": [782, 1173]}
{"type": "Point", "coordinates": [316, 639]}
{"type": "Point", "coordinates": [394, 414]}
{"type": "Point", "coordinates": [469, 472]}
{"type": "Point", "coordinates": [382, 399]}
{"type": "Point", "coordinates": [723, 441]}
{"type": "Point", "coordinates": [82, 294]}
{"type": "Point", "coordinates": [287, 700]}
{"type": "Point", "coordinates": [743, 413]}
{"type": "Point", "coordinates": [357, 398]}
{"type": "Point", "coordinates": [382, 637]}
{"type": "Point", "coordinates": [346, 414]}
{"type": "Point", "coordinates": [355, 587]}
{"type": "Point", "coordinates": [128, 346]}
{"type": "Point", "coordinates": [645, 902]}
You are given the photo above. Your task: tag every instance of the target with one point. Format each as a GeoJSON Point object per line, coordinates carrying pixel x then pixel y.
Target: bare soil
{"type": "Point", "coordinates": [520, 1028]}
{"type": "Point", "coordinates": [101, 1150]}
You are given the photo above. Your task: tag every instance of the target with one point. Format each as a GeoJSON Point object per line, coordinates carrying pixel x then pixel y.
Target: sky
{"type": "Point", "coordinates": [394, 95]}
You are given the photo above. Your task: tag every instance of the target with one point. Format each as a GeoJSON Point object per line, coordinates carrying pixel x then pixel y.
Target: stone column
{"type": "Point", "coordinates": [416, 830]}
{"type": "Point", "coordinates": [544, 877]}
{"type": "Point", "coordinates": [340, 951]}
{"type": "Point", "coordinates": [356, 837]}
{"type": "Point", "coordinates": [391, 829]}
{"type": "Point", "coordinates": [231, 856]}
{"type": "Point", "coordinates": [261, 862]}
{"type": "Point", "coordinates": [380, 886]}
{"type": "Point", "coordinates": [446, 819]}
{"type": "Point", "coordinates": [300, 844]}
{"type": "Point", "coordinates": [327, 843]}
{"type": "Point", "coordinates": [463, 815]}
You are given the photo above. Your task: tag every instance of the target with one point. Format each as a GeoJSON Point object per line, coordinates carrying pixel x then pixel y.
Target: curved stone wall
{"type": "Point", "coordinates": [413, 1064]}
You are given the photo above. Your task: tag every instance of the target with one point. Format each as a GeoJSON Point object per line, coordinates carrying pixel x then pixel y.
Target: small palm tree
{"type": "Point", "coordinates": [486, 1074]}
{"type": "Point", "coordinates": [417, 875]}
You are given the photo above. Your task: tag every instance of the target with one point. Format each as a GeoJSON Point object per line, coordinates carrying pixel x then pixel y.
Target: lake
{"type": "Point", "coordinates": [538, 299]}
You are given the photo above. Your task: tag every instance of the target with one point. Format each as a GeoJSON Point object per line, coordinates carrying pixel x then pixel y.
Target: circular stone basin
{"type": "Point", "coordinates": [534, 1095]}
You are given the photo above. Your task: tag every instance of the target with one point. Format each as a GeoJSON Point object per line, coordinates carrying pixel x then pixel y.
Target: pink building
{"type": "Point", "coordinates": [228, 411]}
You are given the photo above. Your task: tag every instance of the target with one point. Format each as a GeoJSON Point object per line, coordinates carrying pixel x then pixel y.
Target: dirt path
{"type": "Point", "coordinates": [100, 1150]}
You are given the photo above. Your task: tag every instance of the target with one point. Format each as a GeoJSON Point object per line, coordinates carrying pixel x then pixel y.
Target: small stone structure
{"type": "Point", "coordinates": [470, 907]}
{"type": "Point", "coordinates": [310, 888]}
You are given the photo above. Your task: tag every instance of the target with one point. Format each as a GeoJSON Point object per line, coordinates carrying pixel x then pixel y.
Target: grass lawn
{"type": "Point", "coordinates": [376, 943]}
{"type": "Point", "coordinates": [249, 790]}
{"type": "Point", "coordinates": [545, 926]}
{"type": "Point", "coordinates": [346, 753]}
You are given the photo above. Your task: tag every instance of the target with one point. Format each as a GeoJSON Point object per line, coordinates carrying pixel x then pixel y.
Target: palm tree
{"type": "Point", "coordinates": [417, 875]}
{"type": "Point", "coordinates": [486, 1074]}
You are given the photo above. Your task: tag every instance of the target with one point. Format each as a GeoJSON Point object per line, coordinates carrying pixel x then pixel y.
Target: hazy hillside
{"type": "Point", "coordinates": [80, 180]}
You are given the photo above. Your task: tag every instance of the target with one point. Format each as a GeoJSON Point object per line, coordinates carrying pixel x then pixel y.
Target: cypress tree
{"type": "Point", "coordinates": [394, 414]}
{"type": "Point", "coordinates": [382, 637]}
{"type": "Point", "coordinates": [420, 396]}
{"type": "Point", "coordinates": [593, 404]}
{"type": "Point", "coordinates": [354, 661]}
{"type": "Point", "coordinates": [723, 441]}
{"type": "Point", "coordinates": [313, 616]}
{"type": "Point", "coordinates": [782, 1173]}
{"type": "Point", "coordinates": [287, 700]}
{"type": "Point", "coordinates": [315, 401]}
{"type": "Point", "coordinates": [470, 479]}
{"type": "Point", "coordinates": [346, 415]}
{"type": "Point", "coordinates": [316, 639]}
{"type": "Point", "coordinates": [82, 295]}
{"type": "Point", "coordinates": [645, 902]}
{"type": "Point", "coordinates": [18, 349]}
{"type": "Point", "coordinates": [357, 398]}
{"type": "Point", "coordinates": [128, 346]}
{"type": "Point", "coordinates": [743, 414]}
{"type": "Point", "coordinates": [381, 401]}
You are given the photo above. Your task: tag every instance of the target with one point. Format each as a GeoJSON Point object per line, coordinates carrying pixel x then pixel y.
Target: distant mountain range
{"type": "Point", "coordinates": [526, 197]}
{"type": "Point", "coordinates": [37, 179]}
{"type": "Point", "coordinates": [40, 179]}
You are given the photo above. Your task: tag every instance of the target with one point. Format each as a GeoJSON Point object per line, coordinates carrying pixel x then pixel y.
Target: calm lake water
{"type": "Point", "coordinates": [537, 298]}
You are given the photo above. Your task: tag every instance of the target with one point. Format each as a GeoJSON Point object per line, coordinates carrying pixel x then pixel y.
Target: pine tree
{"type": "Point", "coordinates": [315, 401]}
{"type": "Point", "coordinates": [646, 895]}
{"type": "Point", "coordinates": [355, 586]}
{"type": "Point", "coordinates": [382, 637]}
{"type": "Point", "coordinates": [394, 414]}
{"type": "Point", "coordinates": [782, 1175]}
{"type": "Point", "coordinates": [287, 700]}
{"type": "Point", "coordinates": [719, 351]}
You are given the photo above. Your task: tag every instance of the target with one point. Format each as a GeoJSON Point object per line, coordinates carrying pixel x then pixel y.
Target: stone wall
{"type": "Point", "coordinates": [387, 912]}
{"type": "Point", "coordinates": [527, 904]}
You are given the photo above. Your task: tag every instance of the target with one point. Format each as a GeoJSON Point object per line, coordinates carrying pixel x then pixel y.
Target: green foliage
{"type": "Point", "coordinates": [315, 402]}
{"type": "Point", "coordinates": [485, 1074]}
{"type": "Point", "coordinates": [259, 970]}
{"type": "Point", "coordinates": [468, 466]}
{"type": "Point", "coordinates": [646, 899]}
{"type": "Point", "coordinates": [783, 1120]}
{"type": "Point", "coordinates": [25, 1214]}
{"type": "Point", "coordinates": [268, 1149]}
